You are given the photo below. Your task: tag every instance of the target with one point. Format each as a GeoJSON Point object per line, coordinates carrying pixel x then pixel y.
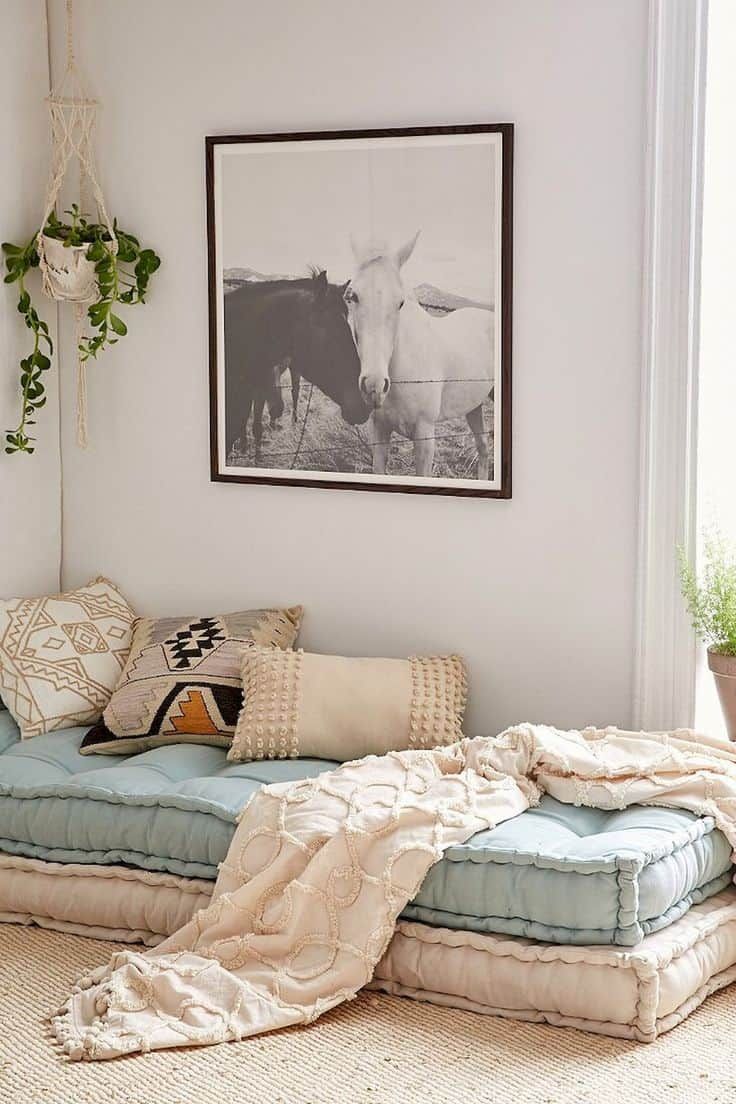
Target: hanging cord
{"type": "Point", "coordinates": [82, 435]}
{"type": "Point", "coordinates": [66, 273]}
{"type": "Point", "coordinates": [69, 35]}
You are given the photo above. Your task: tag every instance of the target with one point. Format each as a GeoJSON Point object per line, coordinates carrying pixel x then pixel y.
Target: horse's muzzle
{"type": "Point", "coordinates": [374, 391]}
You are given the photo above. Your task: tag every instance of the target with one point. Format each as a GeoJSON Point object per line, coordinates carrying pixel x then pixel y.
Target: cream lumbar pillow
{"type": "Point", "coordinates": [61, 656]}
{"type": "Point", "coordinates": [332, 707]}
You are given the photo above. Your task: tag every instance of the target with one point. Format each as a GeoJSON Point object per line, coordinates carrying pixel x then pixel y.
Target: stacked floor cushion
{"type": "Point", "coordinates": [577, 875]}
{"type": "Point", "coordinates": [636, 993]}
{"type": "Point", "coordinates": [128, 847]}
{"type": "Point", "coordinates": [120, 903]}
{"type": "Point", "coordinates": [171, 809]}
{"type": "Point", "coordinates": [559, 873]}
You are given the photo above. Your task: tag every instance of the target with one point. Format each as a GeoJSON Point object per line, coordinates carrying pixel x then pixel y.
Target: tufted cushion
{"type": "Point", "coordinates": [632, 994]}
{"type": "Point", "coordinates": [557, 872]}
{"type": "Point", "coordinates": [171, 809]}
{"type": "Point", "coordinates": [577, 875]}
{"type": "Point", "coordinates": [119, 903]}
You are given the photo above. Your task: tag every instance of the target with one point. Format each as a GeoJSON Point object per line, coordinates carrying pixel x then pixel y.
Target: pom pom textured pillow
{"type": "Point", "coordinates": [332, 707]}
{"type": "Point", "coordinates": [61, 656]}
{"type": "Point", "coordinates": [182, 681]}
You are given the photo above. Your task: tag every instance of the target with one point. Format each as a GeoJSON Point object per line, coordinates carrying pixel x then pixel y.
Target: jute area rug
{"type": "Point", "coordinates": [377, 1049]}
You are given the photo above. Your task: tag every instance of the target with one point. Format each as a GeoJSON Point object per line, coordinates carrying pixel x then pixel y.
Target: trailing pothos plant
{"type": "Point", "coordinates": [122, 274]}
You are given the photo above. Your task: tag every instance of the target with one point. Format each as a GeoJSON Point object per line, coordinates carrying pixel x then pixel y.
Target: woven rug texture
{"type": "Point", "coordinates": [377, 1049]}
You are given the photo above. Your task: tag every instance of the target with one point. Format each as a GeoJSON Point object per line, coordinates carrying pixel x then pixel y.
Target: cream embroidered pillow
{"type": "Point", "coordinates": [182, 681]}
{"type": "Point", "coordinates": [61, 657]}
{"type": "Point", "coordinates": [332, 707]}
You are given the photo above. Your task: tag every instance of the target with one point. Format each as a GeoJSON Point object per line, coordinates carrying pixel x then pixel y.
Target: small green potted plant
{"type": "Point", "coordinates": [83, 262]}
{"type": "Point", "coordinates": [711, 602]}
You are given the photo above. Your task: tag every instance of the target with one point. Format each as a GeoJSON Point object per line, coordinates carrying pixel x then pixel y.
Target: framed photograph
{"type": "Point", "coordinates": [360, 309]}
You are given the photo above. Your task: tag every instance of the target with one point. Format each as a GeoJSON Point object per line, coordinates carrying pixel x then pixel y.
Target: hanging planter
{"type": "Point", "coordinates": [69, 275]}
{"type": "Point", "coordinates": [93, 265]}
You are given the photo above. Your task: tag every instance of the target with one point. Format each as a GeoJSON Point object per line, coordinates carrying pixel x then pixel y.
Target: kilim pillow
{"type": "Point", "coordinates": [331, 707]}
{"type": "Point", "coordinates": [182, 682]}
{"type": "Point", "coordinates": [61, 656]}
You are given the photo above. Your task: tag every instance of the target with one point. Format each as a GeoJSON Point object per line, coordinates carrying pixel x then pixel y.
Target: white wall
{"type": "Point", "coordinates": [30, 507]}
{"type": "Point", "coordinates": [537, 592]}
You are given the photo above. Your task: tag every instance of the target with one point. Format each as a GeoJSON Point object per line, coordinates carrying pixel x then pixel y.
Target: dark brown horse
{"type": "Point", "coordinates": [275, 322]}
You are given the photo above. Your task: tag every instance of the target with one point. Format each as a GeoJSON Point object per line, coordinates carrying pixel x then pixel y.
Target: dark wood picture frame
{"type": "Point", "coordinates": [503, 311]}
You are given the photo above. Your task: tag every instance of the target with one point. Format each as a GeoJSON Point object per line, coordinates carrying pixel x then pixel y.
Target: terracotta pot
{"type": "Point", "coordinates": [724, 672]}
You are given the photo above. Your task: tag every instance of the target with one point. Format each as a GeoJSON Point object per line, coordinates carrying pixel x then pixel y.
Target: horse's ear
{"type": "Point", "coordinates": [404, 253]}
{"type": "Point", "coordinates": [320, 281]}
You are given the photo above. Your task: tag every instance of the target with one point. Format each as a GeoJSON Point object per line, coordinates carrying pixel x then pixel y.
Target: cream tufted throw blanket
{"type": "Point", "coordinates": [319, 870]}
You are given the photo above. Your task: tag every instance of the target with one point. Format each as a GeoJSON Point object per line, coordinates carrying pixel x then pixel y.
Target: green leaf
{"type": "Point", "coordinates": [118, 325]}
{"type": "Point", "coordinates": [148, 262]}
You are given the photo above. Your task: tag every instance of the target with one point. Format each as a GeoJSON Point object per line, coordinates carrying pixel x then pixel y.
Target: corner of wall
{"type": "Point", "coordinates": [30, 486]}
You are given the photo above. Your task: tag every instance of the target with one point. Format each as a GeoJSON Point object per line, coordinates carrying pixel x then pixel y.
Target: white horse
{"type": "Point", "coordinates": [416, 369]}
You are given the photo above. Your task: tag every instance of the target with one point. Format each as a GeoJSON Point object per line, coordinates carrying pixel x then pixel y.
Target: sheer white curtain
{"type": "Point", "coordinates": [716, 452]}
{"type": "Point", "coordinates": [664, 691]}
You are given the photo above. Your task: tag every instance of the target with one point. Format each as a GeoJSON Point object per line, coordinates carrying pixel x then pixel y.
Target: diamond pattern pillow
{"type": "Point", "coordinates": [61, 656]}
{"type": "Point", "coordinates": [182, 682]}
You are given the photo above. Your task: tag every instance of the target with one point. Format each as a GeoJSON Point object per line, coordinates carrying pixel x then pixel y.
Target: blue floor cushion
{"type": "Point", "coordinates": [556, 873]}
{"type": "Point", "coordinates": [563, 874]}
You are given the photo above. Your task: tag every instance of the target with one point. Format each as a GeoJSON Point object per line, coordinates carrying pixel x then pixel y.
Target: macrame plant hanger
{"type": "Point", "coordinates": [67, 274]}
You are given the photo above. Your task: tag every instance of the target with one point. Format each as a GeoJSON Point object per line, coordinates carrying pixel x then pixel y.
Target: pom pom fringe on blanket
{"type": "Point", "coordinates": [318, 871]}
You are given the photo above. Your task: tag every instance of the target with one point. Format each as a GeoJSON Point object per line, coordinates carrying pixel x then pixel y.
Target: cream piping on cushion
{"type": "Point", "coordinates": [334, 707]}
{"type": "Point", "coordinates": [318, 871]}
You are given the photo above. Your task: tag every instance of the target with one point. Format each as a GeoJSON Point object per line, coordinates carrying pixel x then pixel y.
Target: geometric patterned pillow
{"type": "Point", "coordinates": [61, 656]}
{"type": "Point", "coordinates": [183, 682]}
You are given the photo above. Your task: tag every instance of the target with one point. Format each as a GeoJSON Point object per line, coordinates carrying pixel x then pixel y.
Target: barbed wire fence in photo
{"type": "Point", "coordinates": [320, 440]}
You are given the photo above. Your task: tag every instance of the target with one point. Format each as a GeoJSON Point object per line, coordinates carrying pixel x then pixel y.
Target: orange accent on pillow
{"type": "Point", "coordinates": [194, 717]}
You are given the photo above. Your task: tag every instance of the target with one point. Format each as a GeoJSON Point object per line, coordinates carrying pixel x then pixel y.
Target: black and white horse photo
{"type": "Point", "coordinates": [388, 365]}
